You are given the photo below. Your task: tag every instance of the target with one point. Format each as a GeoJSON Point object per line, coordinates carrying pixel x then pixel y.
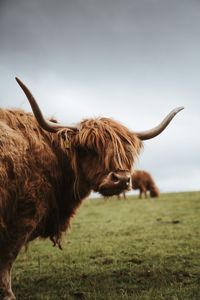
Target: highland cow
{"type": "Point", "coordinates": [143, 181]}
{"type": "Point", "coordinates": [48, 168]}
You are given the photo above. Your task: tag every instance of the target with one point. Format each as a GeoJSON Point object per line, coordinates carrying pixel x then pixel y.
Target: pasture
{"type": "Point", "coordinates": [119, 249]}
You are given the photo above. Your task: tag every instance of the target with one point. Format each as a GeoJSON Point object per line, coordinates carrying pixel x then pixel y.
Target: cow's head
{"type": "Point", "coordinates": [102, 151]}
{"type": "Point", "coordinates": [154, 192]}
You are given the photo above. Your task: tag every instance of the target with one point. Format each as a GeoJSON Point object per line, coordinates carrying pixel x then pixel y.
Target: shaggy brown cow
{"type": "Point", "coordinates": [47, 169]}
{"type": "Point", "coordinates": [143, 181]}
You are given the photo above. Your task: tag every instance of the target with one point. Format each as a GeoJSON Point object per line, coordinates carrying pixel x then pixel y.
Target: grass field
{"type": "Point", "coordinates": [119, 249]}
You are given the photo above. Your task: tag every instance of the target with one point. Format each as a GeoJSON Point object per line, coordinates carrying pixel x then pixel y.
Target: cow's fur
{"type": "Point", "coordinates": [45, 176]}
{"type": "Point", "coordinates": [143, 181]}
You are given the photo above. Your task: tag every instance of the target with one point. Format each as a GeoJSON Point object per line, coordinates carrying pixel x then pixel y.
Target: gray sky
{"type": "Point", "coordinates": [133, 60]}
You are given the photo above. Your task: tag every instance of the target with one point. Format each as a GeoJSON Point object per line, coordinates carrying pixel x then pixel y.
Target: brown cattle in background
{"type": "Point", "coordinates": [47, 169]}
{"type": "Point", "coordinates": [143, 181]}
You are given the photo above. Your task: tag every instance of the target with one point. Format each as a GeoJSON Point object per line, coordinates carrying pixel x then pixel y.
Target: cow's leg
{"type": "Point", "coordinates": [5, 281]}
{"type": "Point", "coordinates": [142, 191]}
{"type": "Point", "coordinates": [8, 253]}
{"type": "Point", "coordinates": [10, 245]}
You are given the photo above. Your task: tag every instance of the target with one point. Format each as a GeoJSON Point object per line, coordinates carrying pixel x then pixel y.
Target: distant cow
{"type": "Point", "coordinates": [143, 181]}
{"type": "Point", "coordinates": [47, 169]}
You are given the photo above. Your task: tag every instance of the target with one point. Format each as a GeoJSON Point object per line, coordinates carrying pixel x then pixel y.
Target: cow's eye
{"type": "Point", "coordinates": [86, 152]}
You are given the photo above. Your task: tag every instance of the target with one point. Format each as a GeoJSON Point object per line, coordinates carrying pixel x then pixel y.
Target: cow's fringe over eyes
{"type": "Point", "coordinates": [110, 140]}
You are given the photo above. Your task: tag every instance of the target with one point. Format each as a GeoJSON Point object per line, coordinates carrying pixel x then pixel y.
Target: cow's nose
{"type": "Point", "coordinates": [120, 179]}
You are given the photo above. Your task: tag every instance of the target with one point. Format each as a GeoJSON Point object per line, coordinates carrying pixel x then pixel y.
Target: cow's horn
{"type": "Point", "coordinates": [45, 124]}
{"type": "Point", "coordinates": [149, 134]}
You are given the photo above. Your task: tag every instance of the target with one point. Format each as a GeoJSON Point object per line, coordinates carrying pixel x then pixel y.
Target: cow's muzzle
{"type": "Point", "coordinates": [115, 183]}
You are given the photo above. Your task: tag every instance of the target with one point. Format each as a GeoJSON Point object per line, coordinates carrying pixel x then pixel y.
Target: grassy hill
{"type": "Point", "coordinates": [119, 249]}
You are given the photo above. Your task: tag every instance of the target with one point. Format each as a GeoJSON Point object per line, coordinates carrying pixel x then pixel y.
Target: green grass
{"type": "Point", "coordinates": [119, 249]}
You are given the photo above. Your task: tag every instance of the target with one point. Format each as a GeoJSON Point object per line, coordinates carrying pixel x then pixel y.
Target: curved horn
{"type": "Point", "coordinates": [45, 124]}
{"type": "Point", "coordinates": [149, 134]}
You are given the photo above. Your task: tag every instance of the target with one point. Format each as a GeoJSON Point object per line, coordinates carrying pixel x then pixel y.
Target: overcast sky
{"type": "Point", "coordinates": [132, 60]}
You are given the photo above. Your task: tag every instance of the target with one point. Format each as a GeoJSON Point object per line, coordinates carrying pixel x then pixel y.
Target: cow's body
{"type": "Point", "coordinates": [143, 181]}
{"type": "Point", "coordinates": [37, 185]}
{"type": "Point", "coordinates": [47, 169]}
